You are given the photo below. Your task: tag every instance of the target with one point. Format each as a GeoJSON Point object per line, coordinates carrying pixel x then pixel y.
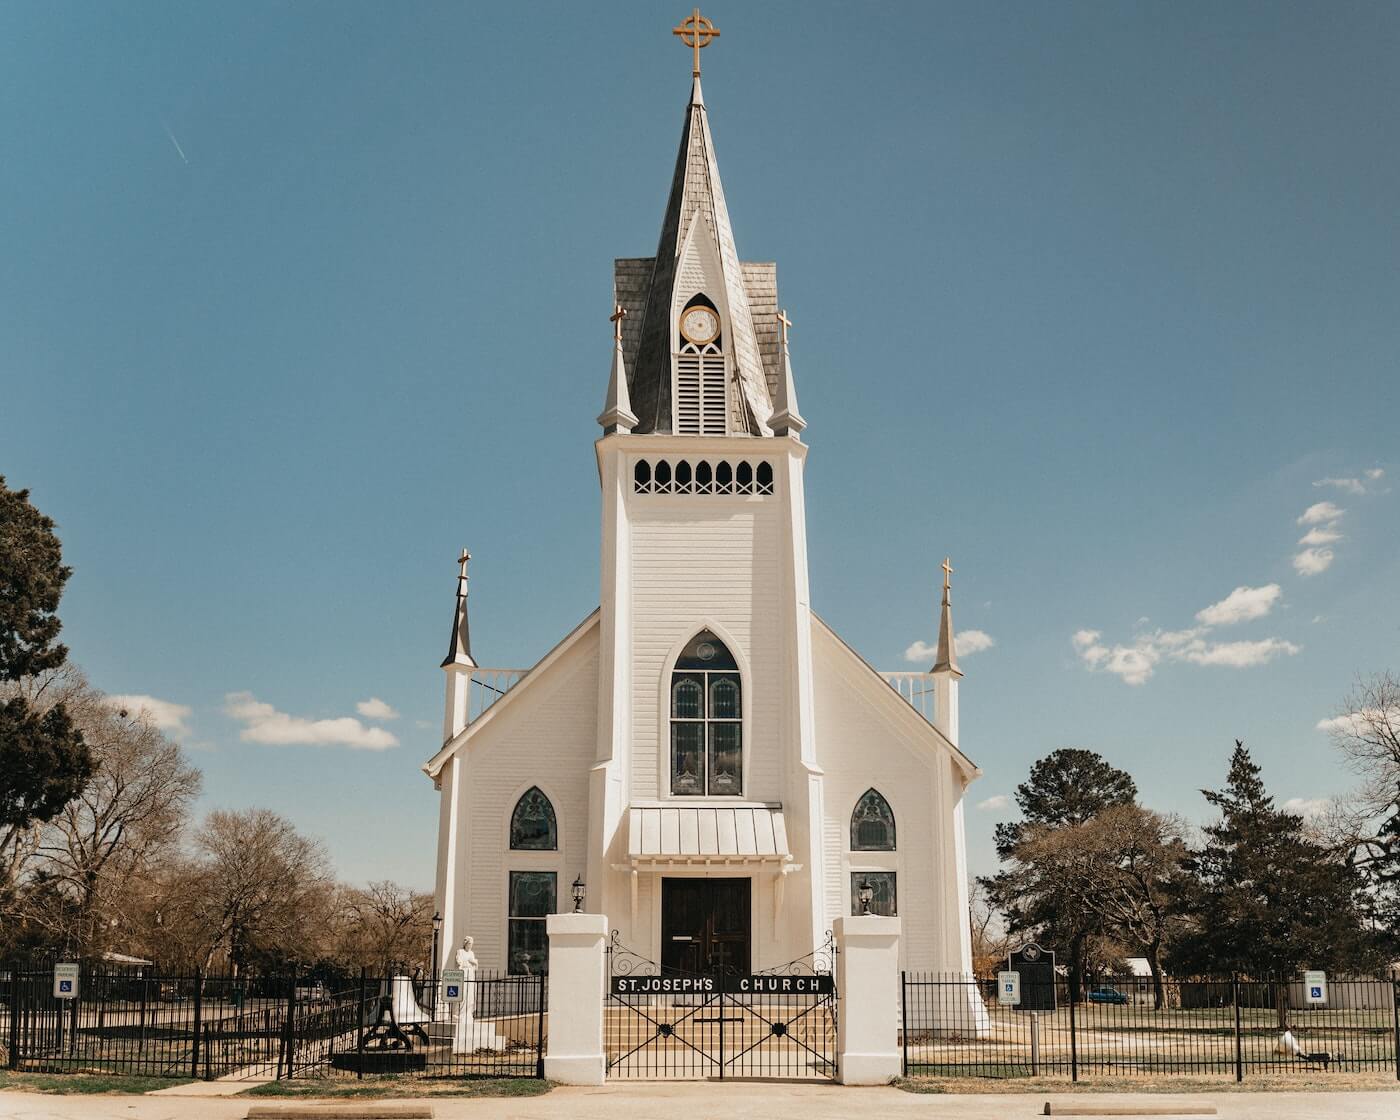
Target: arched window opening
{"type": "Point", "coordinates": [707, 748]}
{"type": "Point", "coordinates": [872, 824]}
{"type": "Point", "coordinates": [765, 478]}
{"type": "Point", "coordinates": [743, 478]}
{"type": "Point", "coordinates": [683, 477]}
{"type": "Point", "coordinates": [663, 477]}
{"type": "Point", "coordinates": [532, 824]}
{"type": "Point", "coordinates": [701, 402]}
{"type": "Point", "coordinates": [703, 478]}
{"type": "Point", "coordinates": [724, 478]}
{"type": "Point", "coordinates": [641, 475]}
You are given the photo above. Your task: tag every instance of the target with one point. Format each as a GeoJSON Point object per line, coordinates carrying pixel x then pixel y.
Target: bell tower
{"type": "Point", "coordinates": [704, 533]}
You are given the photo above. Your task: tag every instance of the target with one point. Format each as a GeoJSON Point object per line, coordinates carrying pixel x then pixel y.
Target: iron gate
{"type": "Point", "coordinates": [662, 1023]}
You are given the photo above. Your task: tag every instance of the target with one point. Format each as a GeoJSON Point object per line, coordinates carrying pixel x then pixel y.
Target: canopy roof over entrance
{"type": "Point", "coordinates": [704, 835]}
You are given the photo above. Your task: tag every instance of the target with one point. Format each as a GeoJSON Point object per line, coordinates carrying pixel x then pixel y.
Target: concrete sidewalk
{"type": "Point", "coordinates": [712, 1101]}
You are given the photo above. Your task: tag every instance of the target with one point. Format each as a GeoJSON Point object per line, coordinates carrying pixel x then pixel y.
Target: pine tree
{"type": "Point", "coordinates": [1263, 899]}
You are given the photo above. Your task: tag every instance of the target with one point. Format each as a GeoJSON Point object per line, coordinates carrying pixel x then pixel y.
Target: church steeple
{"type": "Point", "coordinates": [697, 267]}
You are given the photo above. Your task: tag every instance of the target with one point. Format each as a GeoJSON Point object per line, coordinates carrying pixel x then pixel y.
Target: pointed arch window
{"type": "Point", "coordinates": [532, 824]}
{"type": "Point", "coordinates": [707, 726]}
{"type": "Point", "coordinates": [872, 824]}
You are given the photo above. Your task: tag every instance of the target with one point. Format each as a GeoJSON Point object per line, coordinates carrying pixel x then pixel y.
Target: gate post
{"type": "Point", "coordinates": [867, 994]}
{"type": "Point", "coordinates": [577, 976]}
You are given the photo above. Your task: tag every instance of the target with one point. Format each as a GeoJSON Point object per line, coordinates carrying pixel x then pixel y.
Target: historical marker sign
{"type": "Point", "coordinates": [65, 981]}
{"type": "Point", "coordinates": [1009, 988]}
{"type": "Point", "coordinates": [1315, 988]}
{"type": "Point", "coordinates": [1036, 967]}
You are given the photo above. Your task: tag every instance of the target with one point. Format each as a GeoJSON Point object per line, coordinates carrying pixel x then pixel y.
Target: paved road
{"type": "Point", "coordinates": [707, 1101]}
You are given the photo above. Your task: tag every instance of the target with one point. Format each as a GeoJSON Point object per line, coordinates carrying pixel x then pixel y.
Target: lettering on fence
{"type": "Point", "coordinates": [762, 984]}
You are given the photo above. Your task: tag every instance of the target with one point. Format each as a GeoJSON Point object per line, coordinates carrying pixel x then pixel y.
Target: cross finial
{"type": "Point", "coordinates": [947, 573]}
{"type": "Point", "coordinates": [619, 313]}
{"type": "Point", "coordinates": [785, 323]}
{"type": "Point", "coordinates": [696, 31]}
{"type": "Point", "coordinates": [462, 561]}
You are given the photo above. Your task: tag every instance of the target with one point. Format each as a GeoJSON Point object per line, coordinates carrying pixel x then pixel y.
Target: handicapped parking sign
{"type": "Point", "coordinates": [454, 991]}
{"type": "Point", "coordinates": [1315, 984]}
{"type": "Point", "coordinates": [65, 981]}
{"type": "Point", "coordinates": [452, 981]}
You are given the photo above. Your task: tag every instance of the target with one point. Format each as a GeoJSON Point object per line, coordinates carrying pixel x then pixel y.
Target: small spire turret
{"type": "Point", "coordinates": [786, 420]}
{"type": "Point", "coordinates": [617, 414]}
{"type": "Point", "coordinates": [460, 651]}
{"type": "Point", "coordinates": [947, 659]}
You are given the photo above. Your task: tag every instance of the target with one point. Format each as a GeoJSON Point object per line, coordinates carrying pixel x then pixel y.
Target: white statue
{"type": "Point", "coordinates": [471, 1035]}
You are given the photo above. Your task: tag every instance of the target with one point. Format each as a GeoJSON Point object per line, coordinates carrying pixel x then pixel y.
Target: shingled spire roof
{"type": "Point", "coordinates": [696, 228]}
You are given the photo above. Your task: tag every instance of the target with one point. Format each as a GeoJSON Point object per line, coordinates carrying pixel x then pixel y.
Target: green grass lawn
{"type": "Point", "coordinates": [84, 1082]}
{"type": "Point", "coordinates": [381, 1087]}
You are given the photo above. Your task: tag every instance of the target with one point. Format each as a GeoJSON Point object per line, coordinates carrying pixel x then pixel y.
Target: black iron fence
{"type": "Point", "coordinates": [139, 1020]}
{"type": "Point", "coordinates": [1122, 1025]}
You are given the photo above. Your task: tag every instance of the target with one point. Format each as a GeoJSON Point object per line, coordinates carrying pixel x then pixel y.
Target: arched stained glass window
{"type": "Point", "coordinates": [872, 824]}
{"type": "Point", "coordinates": [532, 825]}
{"type": "Point", "coordinates": [707, 736]}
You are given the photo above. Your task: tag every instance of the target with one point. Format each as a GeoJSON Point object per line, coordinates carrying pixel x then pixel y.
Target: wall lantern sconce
{"type": "Point", "coordinates": [867, 892]}
{"type": "Point", "coordinates": [578, 895]}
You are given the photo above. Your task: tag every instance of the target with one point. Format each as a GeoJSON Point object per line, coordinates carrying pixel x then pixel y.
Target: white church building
{"type": "Point", "coordinates": [722, 772]}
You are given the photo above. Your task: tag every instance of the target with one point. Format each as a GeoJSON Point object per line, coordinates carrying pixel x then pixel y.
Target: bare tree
{"type": "Point", "coordinates": [256, 889]}
{"type": "Point", "coordinates": [989, 940]}
{"type": "Point", "coordinates": [382, 923]}
{"type": "Point", "coordinates": [77, 868]}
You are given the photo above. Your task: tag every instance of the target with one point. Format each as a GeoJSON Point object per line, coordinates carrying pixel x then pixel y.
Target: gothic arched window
{"type": "Point", "coordinates": [872, 824]}
{"type": "Point", "coordinates": [707, 728]}
{"type": "Point", "coordinates": [532, 824]}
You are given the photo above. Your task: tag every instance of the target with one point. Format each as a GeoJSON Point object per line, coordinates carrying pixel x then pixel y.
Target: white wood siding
{"type": "Point", "coordinates": [698, 560]}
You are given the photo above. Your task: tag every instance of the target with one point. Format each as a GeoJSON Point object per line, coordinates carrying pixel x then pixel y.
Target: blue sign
{"type": "Point", "coordinates": [454, 991]}
{"type": "Point", "coordinates": [1315, 992]}
{"type": "Point", "coordinates": [65, 985]}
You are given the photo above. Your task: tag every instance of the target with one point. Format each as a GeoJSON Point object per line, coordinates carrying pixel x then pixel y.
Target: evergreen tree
{"type": "Point", "coordinates": [1262, 899]}
{"type": "Point", "coordinates": [43, 761]}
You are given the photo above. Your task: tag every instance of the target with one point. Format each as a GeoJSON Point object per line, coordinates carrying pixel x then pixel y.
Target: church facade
{"type": "Point", "coordinates": [721, 773]}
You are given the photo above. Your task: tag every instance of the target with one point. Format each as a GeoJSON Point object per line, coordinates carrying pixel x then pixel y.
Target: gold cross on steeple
{"type": "Point", "coordinates": [696, 31]}
{"type": "Point", "coordinates": [785, 323]}
{"type": "Point", "coordinates": [619, 313]}
{"type": "Point", "coordinates": [462, 560]}
{"type": "Point", "coordinates": [947, 573]}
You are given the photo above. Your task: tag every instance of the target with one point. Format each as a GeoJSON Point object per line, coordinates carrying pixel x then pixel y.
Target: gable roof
{"type": "Point", "coordinates": [900, 709]}
{"type": "Point", "coordinates": [433, 767]}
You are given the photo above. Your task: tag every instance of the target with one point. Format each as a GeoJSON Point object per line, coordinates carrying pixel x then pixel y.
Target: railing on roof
{"type": "Point", "coordinates": [917, 689]}
{"type": "Point", "coordinates": [488, 686]}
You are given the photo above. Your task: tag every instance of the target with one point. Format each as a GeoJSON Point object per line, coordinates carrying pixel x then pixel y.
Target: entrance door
{"type": "Point", "coordinates": [705, 925]}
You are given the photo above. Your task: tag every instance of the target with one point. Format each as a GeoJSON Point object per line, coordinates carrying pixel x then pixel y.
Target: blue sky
{"type": "Point", "coordinates": [299, 299]}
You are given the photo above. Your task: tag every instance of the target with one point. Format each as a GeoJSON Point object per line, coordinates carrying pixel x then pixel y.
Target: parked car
{"type": "Point", "coordinates": [1107, 995]}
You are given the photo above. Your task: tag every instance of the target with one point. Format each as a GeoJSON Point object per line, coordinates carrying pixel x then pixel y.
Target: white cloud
{"type": "Point", "coordinates": [265, 724]}
{"type": "Point", "coordinates": [375, 708]}
{"type": "Point", "coordinates": [968, 642]}
{"type": "Point", "coordinates": [1242, 605]}
{"type": "Point", "coordinates": [1325, 534]}
{"type": "Point", "coordinates": [1311, 561]}
{"type": "Point", "coordinates": [1358, 723]}
{"type": "Point", "coordinates": [1346, 485]}
{"type": "Point", "coordinates": [965, 644]}
{"type": "Point", "coordinates": [1319, 512]}
{"type": "Point", "coordinates": [1134, 664]}
{"type": "Point", "coordinates": [1000, 801]}
{"type": "Point", "coordinates": [1237, 655]}
{"type": "Point", "coordinates": [1375, 474]}
{"type": "Point", "coordinates": [164, 714]}
{"type": "Point", "coordinates": [1309, 808]}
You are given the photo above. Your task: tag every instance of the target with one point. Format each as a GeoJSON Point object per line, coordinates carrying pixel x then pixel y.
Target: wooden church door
{"type": "Point", "coordinates": [705, 925]}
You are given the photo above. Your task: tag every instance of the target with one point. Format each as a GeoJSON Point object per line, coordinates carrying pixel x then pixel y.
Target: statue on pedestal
{"type": "Point", "coordinates": [471, 1035]}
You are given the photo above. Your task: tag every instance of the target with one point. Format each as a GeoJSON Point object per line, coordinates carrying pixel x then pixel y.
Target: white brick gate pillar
{"type": "Point", "coordinates": [577, 974]}
{"type": "Point", "coordinates": [867, 993]}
